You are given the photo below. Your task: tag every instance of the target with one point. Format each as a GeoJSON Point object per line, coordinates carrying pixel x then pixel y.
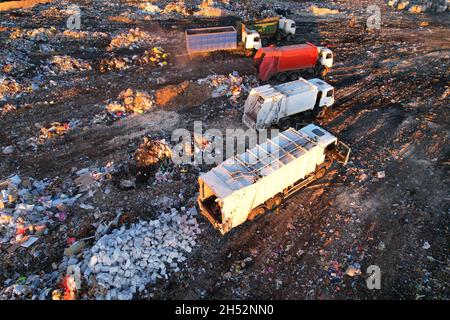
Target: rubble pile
{"type": "Point", "coordinates": [28, 207]}
{"type": "Point", "coordinates": [133, 39]}
{"type": "Point", "coordinates": [123, 262]}
{"type": "Point", "coordinates": [151, 152]}
{"type": "Point", "coordinates": [58, 65]}
{"type": "Point", "coordinates": [130, 102]}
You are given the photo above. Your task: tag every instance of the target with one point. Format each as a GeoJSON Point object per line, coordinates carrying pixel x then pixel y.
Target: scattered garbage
{"type": "Point", "coordinates": [67, 64]}
{"type": "Point", "coordinates": [426, 245]}
{"type": "Point", "coordinates": [381, 175]}
{"type": "Point", "coordinates": [8, 149]}
{"type": "Point", "coordinates": [353, 270]}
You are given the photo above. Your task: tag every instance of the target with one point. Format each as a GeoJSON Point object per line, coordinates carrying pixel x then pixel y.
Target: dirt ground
{"type": "Point", "coordinates": [392, 108]}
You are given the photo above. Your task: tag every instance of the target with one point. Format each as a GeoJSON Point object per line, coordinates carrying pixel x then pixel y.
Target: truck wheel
{"type": "Point", "coordinates": [321, 113]}
{"type": "Point", "coordinates": [278, 37]}
{"type": "Point", "coordinates": [256, 212]}
{"type": "Point", "coordinates": [285, 124]}
{"type": "Point", "coordinates": [282, 77]}
{"type": "Point", "coordinates": [323, 72]}
{"type": "Point", "coordinates": [294, 76]}
{"type": "Point", "coordinates": [265, 42]}
{"type": "Point", "coordinates": [289, 38]}
{"type": "Point", "coordinates": [320, 173]}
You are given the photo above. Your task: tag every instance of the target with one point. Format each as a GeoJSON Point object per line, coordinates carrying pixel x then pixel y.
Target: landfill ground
{"type": "Point", "coordinates": [389, 206]}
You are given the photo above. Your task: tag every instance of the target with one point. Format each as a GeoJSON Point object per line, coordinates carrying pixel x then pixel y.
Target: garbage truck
{"type": "Point", "coordinates": [275, 28]}
{"type": "Point", "coordinates": [249, 184]}
{"type": "Point", "coordinates": [288, 61]}
{"type": "Point", "coordinates": [268, 105]}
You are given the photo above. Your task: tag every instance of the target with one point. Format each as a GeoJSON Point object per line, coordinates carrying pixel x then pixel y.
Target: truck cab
{"type": "Point", "coordinates": [287, 26]}
{"type": "Point", "coordinates": [325, 57]}
{"type": "Point", "coordinates": [326, 93]}
{"type": "Point", "coordinates": [251, 39]}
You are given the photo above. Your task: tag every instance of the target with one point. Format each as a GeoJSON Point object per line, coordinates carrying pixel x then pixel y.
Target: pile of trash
{"type": "Point", "coordinates": [151, 152]}
{"type": "Point", "coordinates": [56, 129]}
{"type": "Point", "coordinates": [29, 206]}
{"type": "Point", "coordinates": [58, 65]}
{"type": "Point", "coordinates": [155, 56]}
{"type": "Point", "coordinates": [8, 88]}
{"type": "Point", "coordinates": [322, 11]}
{"type": "Point", "coordinates": [113, 63]}
{"type": "Point", "coordinates": [39, 34]}
{"type": "Point", "coordinates": [178, 8]}
{"type": "Point", "coordinates": [231, 86]}
{"type": "Point", "coordinates": [7, 108]}
{"type": "Point", "coordinates": [130, 102]}
{"type": "Point", "coordinates": [125, 261]}
{"type": "Point", "coordinates": [133, 39]}
{"type": "Point", "coordinates": [148, 7]}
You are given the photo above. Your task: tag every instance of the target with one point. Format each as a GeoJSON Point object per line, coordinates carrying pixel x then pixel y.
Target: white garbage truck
{"type": "Point", "coordinates": [249, 184]}
{"type": "Point", "coordinates": [268, 105]}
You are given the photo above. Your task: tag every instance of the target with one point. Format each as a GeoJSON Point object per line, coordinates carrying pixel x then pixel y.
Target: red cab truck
{"type": "Point", "coordinates": [286, 62]}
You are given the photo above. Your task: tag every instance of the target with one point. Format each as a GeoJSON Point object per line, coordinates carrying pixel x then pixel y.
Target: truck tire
{"type": "Point", "coordinates": [282, 77]}
{"type": "Point", "coordinates": [323, 72]}
{"type": "Point", "coordinates": [265, 42]}
{"type": "Point", "coordinates": [294, 76]}
{"type": "Point", "coordinates": [289, 38]}
{"type": "Point", "coordinates": [285, 124]}
{"type": "Point", "coordinates": [278, 37]}
{"type": "Point", "coordinates": [256, 212]}
{"type": "Point", "coordinates": [320, 173]}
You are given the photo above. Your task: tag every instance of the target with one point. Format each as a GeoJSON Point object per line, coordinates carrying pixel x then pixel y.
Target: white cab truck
{"type": "Point", "coordinates": [249, 184]}
{"type": "Point", "coordinates": [269, 105]}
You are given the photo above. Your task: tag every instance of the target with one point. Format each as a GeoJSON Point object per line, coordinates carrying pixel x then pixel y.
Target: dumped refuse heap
{"type": "Point", "coordinates": [125, 261]}
{"type": "Point", "coordinates": [130, 102]}
{"type": "Point", "coordinates": [150, 152]}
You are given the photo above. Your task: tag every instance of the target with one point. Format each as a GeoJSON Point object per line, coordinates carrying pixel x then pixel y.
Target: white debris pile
{"type": "Point", "coordinates": [29, 206]}
{"type": "Point", "coordinates": [231, 86]}
{"type": "Point", "coordinates": [58, 65]}
{"type": "Point", "coordinates": [132, 39]}
{"type": "Point", "coordinates": [128, 259]}
{"type": "Point", "coordinates": [9, 88]}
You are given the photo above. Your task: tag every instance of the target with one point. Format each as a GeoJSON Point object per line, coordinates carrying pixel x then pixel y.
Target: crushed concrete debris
{"type": "Point", "coordinates": [123, 262]}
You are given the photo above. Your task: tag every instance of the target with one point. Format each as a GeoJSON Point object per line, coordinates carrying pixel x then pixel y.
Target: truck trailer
{"type": "Point", "coordinates": [276, 28]}
{"type": "Point", "coordinates": [287, 61]}
{"type": "Point", "coordinates": [219, 38]}
{"type": "Point", "coordinates": [268, 105]}
{"type": "Point", "coordinates": [258, 180]}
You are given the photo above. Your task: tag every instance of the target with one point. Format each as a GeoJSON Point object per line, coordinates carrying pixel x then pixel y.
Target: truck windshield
{"type": "Point", "coordinates": [330, 93]}
{"type": "Point", "coordinates": [293, 25]}
{"type": "Point", "coordinates": [329, 56]}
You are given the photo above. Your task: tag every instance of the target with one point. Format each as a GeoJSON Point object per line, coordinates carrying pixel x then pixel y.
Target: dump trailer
{"type": "Point", "coordinates": [277, 28]}
{"type": "Point", "coordinates": [268, 105]}
{"type": "Point", "coordinates": [287, 61]}
{"type": "Point", "coordinates": [210, 39]}
{"type": "Point", "coordinates": [218, 38]}
{"type": "Point", "coordinates": [258, 180]}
